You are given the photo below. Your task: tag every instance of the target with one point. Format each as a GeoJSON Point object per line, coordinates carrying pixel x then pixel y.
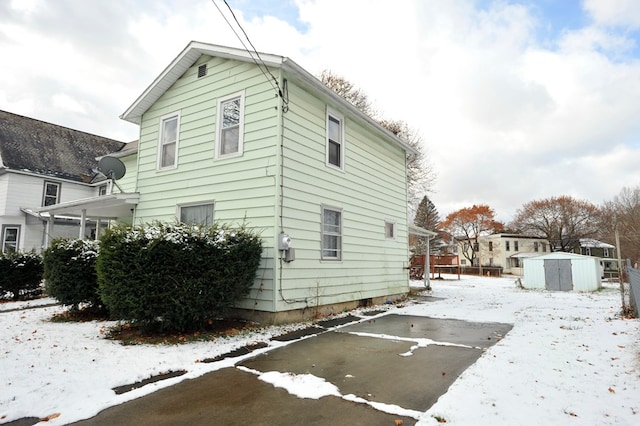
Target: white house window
{"type": "Point", "coordinates": [587, 251]}
{"type": "Point", "coordinates": [10, 238]}
{"type": "Point", "coordinates": [230, 129]}
{"type": "Point", "coordinates": [515, 246]}
{"type": "Point", "coordinates": [490, 245]}
{"type": "Point", "coordinates": [535, 246]}
{"type": "Point", "coordinates": [606, 252]}
{"type": "Point", "coordinates": [389, 229]}
{"type": "Point", "coordinates": [507, 246]}
{"type": "Point", "coordinates": [197, 214]}
{"type": "Point", "coordinates": [51, 194]}
{"type": "Point", "coordinates": [544, 247]}
{"type": "Point", "coordinates": [335, 140]}
{"type": "Point", "coordinates": [331, 234]}
{"type": "Point", "coordinates": [168, 141]}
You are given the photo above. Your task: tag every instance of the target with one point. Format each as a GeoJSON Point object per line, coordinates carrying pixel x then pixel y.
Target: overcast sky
{"type": "Point", "coordinates": [515, 100]}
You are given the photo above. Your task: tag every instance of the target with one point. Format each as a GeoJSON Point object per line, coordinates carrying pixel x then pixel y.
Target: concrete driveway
{"type": "Point", "coordinates": [388, 371]}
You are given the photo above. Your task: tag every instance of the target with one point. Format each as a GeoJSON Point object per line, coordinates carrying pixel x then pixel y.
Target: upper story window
{"type": "Point", "coordinates": [231, 126]}
{"type": "Point", "coordinates": [331, 234]}
{"type": "Point", "coordinates": [515, 245]}
{"type": "Point", "coordinates": [535, 246]}
{"type": "Point", "coordinates": [544, 247]}
{"type": "Point", "coordinates": [51, 193]}
{"type": "Point", "coordinates": [10, 236]}
{"type": "Point", "coordinates": [507, 246]}
{"type": "Point", "coordinates": [490, 245]}
{"type": "Point", "coordinates": [196, 214]}
{"type": "Point", "coordinates": [168, 141]}
{"type": "Point", "coordinates": [335, 140]}
{"type": "Point", "coordinates": [605, 252]}
{"type": "Point", "coordinates": [102, 190]}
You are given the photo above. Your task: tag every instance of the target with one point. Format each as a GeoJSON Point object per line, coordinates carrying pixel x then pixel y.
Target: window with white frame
{"type": "Point", "coordinates": [605, 252]}
{"type": "Point", "coordinates": [196, 214]}
{"type": "Point", "coordinates": [51, 193]}
{"type": "Point", "coordinates": [515, 246]}
{"type": "Point", "coordinates": [535, 246]}
{"type": "Point", "coordinates": [10, 238]}
{"type": "Point", "coordinates": [168, 141]}
{"type": "Point", "coordinates": [231, 126]}
{"type": "Point", "coordinates": [389, 229]}
{"type": "Point", "coordinates": [506, 245]}
{"type": "Point", "coordinates": [335, 140]}
{"type": "Point", "coordinates": [331, 233]}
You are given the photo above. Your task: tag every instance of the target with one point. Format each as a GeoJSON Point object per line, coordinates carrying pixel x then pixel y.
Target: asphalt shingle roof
{"type": "Point", "coordinates": [47, 149]}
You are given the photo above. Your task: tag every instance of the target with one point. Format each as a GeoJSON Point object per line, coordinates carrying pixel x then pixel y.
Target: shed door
{"type": "Point", "coordinates": [557, 274]}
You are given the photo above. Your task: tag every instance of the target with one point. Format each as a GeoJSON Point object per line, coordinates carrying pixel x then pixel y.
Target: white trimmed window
{"type": "Point", "coordinates": [168, 141]}
{"type": "Point", "coordinates": [196, 214]}
{"type": "Point", "coordinates": [389, 229]}
{"type": "Point", "coordinates": [51, 193]}
{"type": "Point", "coordinates": [231, 126]}
{"type": "Point", "coordinates": [331, 233]}
{"type": "Point", "coordinates": [335, 140]}
{"type": "Point", "coordinates": [10, 238]}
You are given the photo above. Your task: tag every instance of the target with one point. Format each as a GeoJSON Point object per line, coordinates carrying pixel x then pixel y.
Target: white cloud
{"type": "Point", "coordinates": [506, 117]}
{"type": "Point", "coordinates": [614, 12]}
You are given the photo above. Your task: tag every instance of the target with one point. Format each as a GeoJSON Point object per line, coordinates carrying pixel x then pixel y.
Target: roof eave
{"type": "Point", "coordinates": [177, 68]}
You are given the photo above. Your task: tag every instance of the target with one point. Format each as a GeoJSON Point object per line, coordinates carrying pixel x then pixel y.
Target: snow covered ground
{"type": "Point", "coordinates": [569, 359]}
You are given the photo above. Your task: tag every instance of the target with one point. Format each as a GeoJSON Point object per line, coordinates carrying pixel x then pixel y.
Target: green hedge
{"type": "Point", "coordinates": [175, 277]}
{"type": "Point", "coordinates": [70, 272]}
{"type": "Point", "coordinates": [20, 274]}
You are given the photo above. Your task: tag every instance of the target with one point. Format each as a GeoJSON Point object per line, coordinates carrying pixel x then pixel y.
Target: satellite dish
{"type": "Point", "coordinates": [111, 167]}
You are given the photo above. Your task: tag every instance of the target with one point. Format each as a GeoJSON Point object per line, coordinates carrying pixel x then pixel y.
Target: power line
{"type": "Point", "coordinates": [261, 65]}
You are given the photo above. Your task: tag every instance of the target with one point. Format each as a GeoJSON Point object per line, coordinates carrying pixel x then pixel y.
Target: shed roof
{"type": "Point", "coordinates": [195, 49]}
{"type": "Point", "coordinates": [30, 145]}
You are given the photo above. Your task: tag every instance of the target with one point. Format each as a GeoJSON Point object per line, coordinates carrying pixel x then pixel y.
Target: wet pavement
{"type": "Point", "coordinates": [388, 369]}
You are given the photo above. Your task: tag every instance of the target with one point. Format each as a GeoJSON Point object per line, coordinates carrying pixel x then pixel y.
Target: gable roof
{"type": "Point", "coordinates": [195, 49]}
{"type": "Point", "coordinates": [42, 148]}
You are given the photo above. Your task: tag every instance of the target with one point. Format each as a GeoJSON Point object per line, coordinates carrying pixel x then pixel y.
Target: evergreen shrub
{"type": "Point", "coordinates": [70, 272]}
{"type": "Point", "coordinates": [20, 275]}
{"type": "Point", "coordinates": [176, 277]}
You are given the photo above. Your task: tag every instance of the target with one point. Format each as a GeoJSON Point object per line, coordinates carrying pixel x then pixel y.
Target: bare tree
{"type": "Point", "coordinates": [623, 213]}
{"type": "Point", "coordinates": [563, 221]}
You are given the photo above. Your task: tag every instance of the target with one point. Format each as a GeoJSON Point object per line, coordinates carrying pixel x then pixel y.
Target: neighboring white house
{"type": "Point", "coordinates": [563, 271]}
{"type": "Point", "coordinates": [506, 251]}
{"type": "Point", "coordinates": [41, 165]}
{"type": "Point", "coordinates": [223, 138]}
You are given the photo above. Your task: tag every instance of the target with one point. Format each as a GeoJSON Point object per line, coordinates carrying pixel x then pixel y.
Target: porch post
{"type": "Point", "coordinates": [83, 224]}
{"type": "Point", "coordinates": [427, 266]}
{"type": "Point", "coordinates": [48, 235]}
{"type": "Point", "coordinates": [98, 222]}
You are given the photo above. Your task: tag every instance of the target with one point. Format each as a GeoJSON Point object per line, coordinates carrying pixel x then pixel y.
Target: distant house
{"type": "Point", "coordinates": [41, 165]}
{"type": "Point", "coordinates": [505, 251]}
{"type": "Point", "coordinates": [606, 252]}
{"type": "Point", "coordinates": [232, 136]}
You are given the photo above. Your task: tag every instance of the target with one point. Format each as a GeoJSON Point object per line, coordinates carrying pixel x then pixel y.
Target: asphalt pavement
{"type": "Point", "coordinates": [382, 366]}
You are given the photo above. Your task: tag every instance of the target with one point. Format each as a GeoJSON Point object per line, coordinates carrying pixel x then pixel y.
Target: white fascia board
{"type": "Point", "coordinates": [319, 88]}
{"type": "Point", "coordinates": [180, 65]}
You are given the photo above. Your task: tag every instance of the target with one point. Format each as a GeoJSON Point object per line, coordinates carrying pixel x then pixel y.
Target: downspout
{"type": "Point", "coordinates": [279, 225]}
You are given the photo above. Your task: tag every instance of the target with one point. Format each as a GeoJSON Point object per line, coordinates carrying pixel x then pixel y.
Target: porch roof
{"type": "Point", "coordinates": [111, 206]}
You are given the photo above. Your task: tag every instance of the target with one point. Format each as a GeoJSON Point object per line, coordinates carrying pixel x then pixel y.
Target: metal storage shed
{"type": "Point", "coordinates": [562, 271]}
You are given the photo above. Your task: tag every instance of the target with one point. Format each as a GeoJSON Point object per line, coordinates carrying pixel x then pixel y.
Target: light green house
{"type": "Point", "coordinates": [241, 138]}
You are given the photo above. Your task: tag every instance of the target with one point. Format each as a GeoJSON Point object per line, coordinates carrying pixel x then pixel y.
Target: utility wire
{"type": "Point", "coordinates": [261, 65]}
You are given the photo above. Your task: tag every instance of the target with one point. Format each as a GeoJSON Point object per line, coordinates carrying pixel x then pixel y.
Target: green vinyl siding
{"type": "Point", "coordinates": [249, 189]}
{"type": "Point", "coordinates": [242, 188]}
{"type": "Point", "coordinates": [370, 190]}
